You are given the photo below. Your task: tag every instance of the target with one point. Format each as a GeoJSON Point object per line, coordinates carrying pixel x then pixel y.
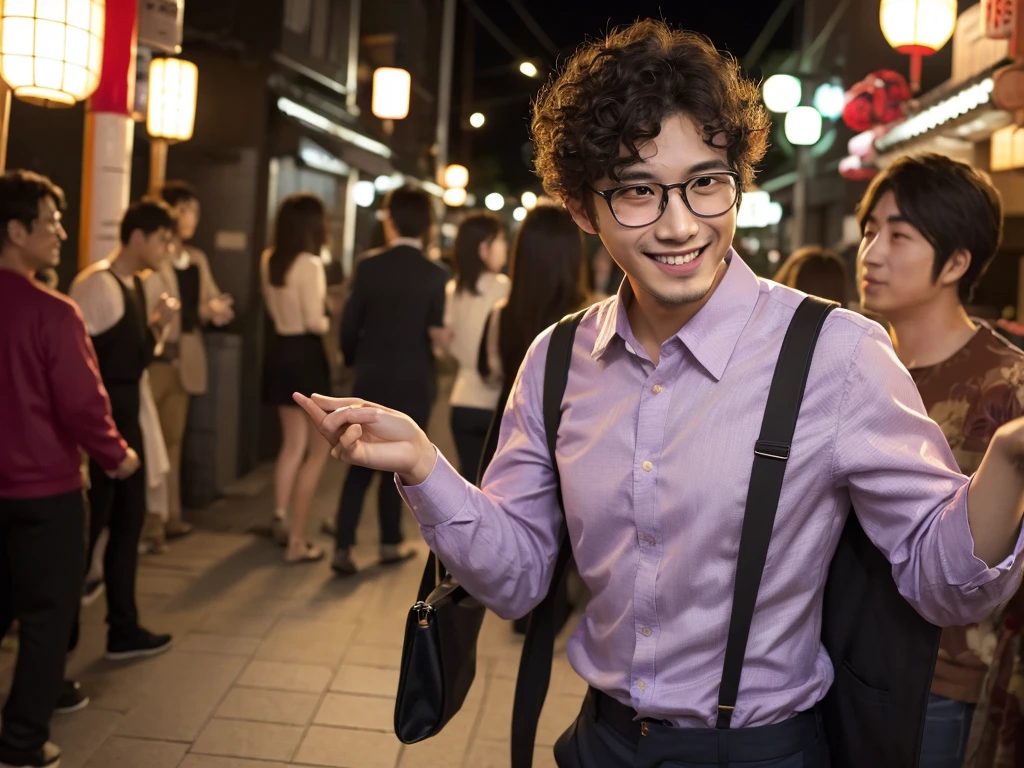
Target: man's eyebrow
{"type": "Point", "coordinates": [638, 172]}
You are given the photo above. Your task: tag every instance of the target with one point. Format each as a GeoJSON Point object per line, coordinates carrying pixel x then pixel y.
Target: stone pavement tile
{"type": "Point", "coordinates": [137, 753]}
{"type": "Point", "coordinates": [305, 641]}
{"type": "Point", "coordinates": [237, 738]}
{"type": "Point", "coordinates": [449, 747]}
{"type": "Point", "coordinates": [209, 761]}
{"type": "Point", "coordinates": [182, 696]}
{"type": "Point", "coordinates": [286, 707]}
{"type": "Point", "coordinates": [353, 711]}
{"type": "Point", "coordinates": [493, 754]}
{"type": "Point", "coordinates": [118, 687]}
{"type": "Point", "coordinates": [564, 680]}
{"type": "Point", "coordinates": [371, 681]}
{"type": "Point", "coordinates": [152, 582]}
{"type": "Point", "coordinates": [383, 630]}
{"type": "Point", "coordinates": [198, 642]}
{"type": "Point", "coordinates": [346, 748]}
{"type": "Point", "coordinates": [285, 677]}
{"type": "Point", "coordinates": [81, 734]}
{"type": "Point", "coordinates": [238, 624]}
{"type": "Point", "coordinates": [496, 716]}
{"type": "Point", "coordinates": [374, 656]}
{"type": "Point", "coordinates": [558, 714]}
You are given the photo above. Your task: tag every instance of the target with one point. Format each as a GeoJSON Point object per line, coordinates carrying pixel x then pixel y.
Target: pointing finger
{"type": "Point", "coordinates": [315, 413]}
{"type": "Point", "coordinates": [339, 419]}
{"type": "Point", "coordinates": [334, 403]}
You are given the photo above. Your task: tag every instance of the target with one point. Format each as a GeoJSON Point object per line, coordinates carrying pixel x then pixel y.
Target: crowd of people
{"type": "Point", "coordinates": [916, 427]}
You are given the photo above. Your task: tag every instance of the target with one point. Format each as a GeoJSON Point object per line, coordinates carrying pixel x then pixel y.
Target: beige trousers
{"type": "Point", "coordinates": [172, 405]}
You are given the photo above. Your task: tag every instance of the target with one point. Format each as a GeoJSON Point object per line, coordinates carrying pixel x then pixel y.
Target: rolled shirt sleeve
{"type": "Point", "coordinates": [499, 542]}
{"type": "Point", "coordinates": [908, 494]}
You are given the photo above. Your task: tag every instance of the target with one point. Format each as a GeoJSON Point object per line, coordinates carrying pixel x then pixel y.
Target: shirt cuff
{"type": "Point", "coordinates": [956, 548]}
{"type": "Point", "coordinates": [439, 498]}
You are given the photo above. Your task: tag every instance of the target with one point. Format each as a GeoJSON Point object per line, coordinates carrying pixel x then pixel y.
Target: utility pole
{"type": "Point", "coordinates": [444, 86]}
{"type": "Point", "coordinates": [803, 154]}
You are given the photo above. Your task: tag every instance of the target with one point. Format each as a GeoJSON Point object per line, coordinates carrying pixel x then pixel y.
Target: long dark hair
{"type": "Point", "coordinates": [474, 230]}
{"type": "Point", "coordinates": [300, 227]}
{"type": "Point", "coordinates": [546, 267]}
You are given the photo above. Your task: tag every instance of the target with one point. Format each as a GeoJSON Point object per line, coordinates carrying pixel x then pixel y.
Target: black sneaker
{"type": "Point", "coordinates": [141, 643]}
{"type": "Point", "coordinates": [342, 563]}
{"type": "Point", "coordinates": [91, 591]}
{"type": "Point", "coordinates": [71, 698]}
{"type": "Point", "coordinates": [47, 756]}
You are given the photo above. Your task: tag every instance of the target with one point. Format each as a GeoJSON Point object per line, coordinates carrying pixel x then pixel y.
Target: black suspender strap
{"type": "Point", "coordinates": [771, 452]}
{"type": "Point", "coordinates": [539, 644]}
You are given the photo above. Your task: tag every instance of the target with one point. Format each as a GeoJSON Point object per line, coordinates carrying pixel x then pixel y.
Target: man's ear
{"type": "Point", "coordinates": [16, 232]}
{"type": "Point", "coordinates": [579, 214]}
{"type": "Point", "coordinates": [955, 268]}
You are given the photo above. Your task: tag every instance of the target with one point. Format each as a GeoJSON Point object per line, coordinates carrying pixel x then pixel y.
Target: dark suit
{"type": "Point", "coordinates": [397, 295]}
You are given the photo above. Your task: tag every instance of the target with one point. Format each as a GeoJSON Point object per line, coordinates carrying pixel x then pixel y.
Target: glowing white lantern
{"type": "Point", "coordinates": [173, 86]}
{"type": "Point", "coordinates": [477, 120]}
{"type": "Point", "coordinates": [494, 201]}
{"type": "Point", "coordinates": [51, 52]}
{"type": "Point", "coordinates": [391, 89]}
{"type": "Point", "coordinates": [454, 197]}
{"type": "Point", "coordinates": [456, 177]}
{"type": "Point", "coordinates": [803, 126]}
{"type": "Point", "coordinates": [781, 93]}
{"type": "Point", "coordinates": [917, 28]}
{"type": "Point", "coordinates": [528, 68]}
{"type": "Point", "coordinates": [829, 100]}
{"type": "Point", "coordinates": [363, 193]}
{"type": "Point", "coordinates": [529, 200]}
{"type": "Point", "coordinates": [519, 213]}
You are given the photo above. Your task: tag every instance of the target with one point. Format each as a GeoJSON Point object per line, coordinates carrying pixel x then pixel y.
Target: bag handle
{"type": "Point", "coordinates": [539, 643]}
{"type": "Point", "coordinates": [771, 452]}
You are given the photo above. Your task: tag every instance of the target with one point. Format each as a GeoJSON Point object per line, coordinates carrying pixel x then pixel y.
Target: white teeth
{"type": "Point", "coordinates": [678, 260]}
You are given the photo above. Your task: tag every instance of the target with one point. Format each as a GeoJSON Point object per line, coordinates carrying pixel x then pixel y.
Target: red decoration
{"type": "Point", "coordinates": [852, 168]}
{"type": "Point", "coordinates": [877, 99]}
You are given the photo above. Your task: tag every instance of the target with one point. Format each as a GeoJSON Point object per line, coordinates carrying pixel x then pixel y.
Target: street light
{"type": "Point", "coordinates": [456, 177]}
{"type": "Point", "coordinates": [391, 89]}
{"type": "Point", "coordinates": [829, 100]}
{"type": "Point", "coordinates": [803, 126]}
{"type": "Point", "coordinates": [528, 68]}
{"type": "Point", "coordinates": [363, 193]}
{"type": "Point", "coordinates": [917, 28]}
{"type": "Point", "coordinates": [51, 54]}
{"type": "Point", "coordinates": [519, 214]}
{"type": "Point", "coordinates": [477, 120]}
{"type": "Point", "coordinates": [170, 111]}
{"type": "Point", "coordinates": [454, 197]}
{"type": "Point", "coordinates": [781, 93]}
{"type": "Point", "coordinates": [529, 200]}
{"type": "Point", "coordinates": [494, 201]}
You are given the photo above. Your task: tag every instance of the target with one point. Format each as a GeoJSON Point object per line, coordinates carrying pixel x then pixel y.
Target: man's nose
{"type": "Point", "coordinates": [677, 222]}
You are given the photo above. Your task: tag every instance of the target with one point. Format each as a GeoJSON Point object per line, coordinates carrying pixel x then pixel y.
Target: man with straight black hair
{"type": "Point", "coordinates": [126, 337]}
{"type": "Point", "coordinates": [394, 313]}
{"type": "Point", "coordinates": [931, 227]}
{"type": "Point", "coordinates": [52, 402]}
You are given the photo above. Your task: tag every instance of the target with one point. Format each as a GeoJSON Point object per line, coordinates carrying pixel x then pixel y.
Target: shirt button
{"type": "Point", "coordinates": [641, 685]}
{"type": "Point", "coordinates": [647, 539]}
{"type": "Point", "coordinates": [647, 631]}
{"type": "Point", "coordinates": [656, 389]}
{"type": "Point", "coordinates": [648, 466]}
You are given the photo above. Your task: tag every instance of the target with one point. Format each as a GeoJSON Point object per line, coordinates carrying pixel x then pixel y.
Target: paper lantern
{"type": "Point", "coordinates": [917, 28]}
{"type": "Point", "coordinates": [454, 197]}
{"type": "Point", "coordinates": [391, 89]}
{"type": "Point", "coordinates": [171, 111]}
{"type": "Point", "coordinates": [456, 177]}
{"type": "Point", "coordinates": [803, 126]}
{"type": "Point", "coordinates": [51, 53]}
{"type": "Point", "coordinates": [781, 93]}
{"type": "Point", "coordinates": [876, 100]}
{"type": "Point", "coordinates": [495, 201]}
{"type": "Point", "coordinates": [997, 18]}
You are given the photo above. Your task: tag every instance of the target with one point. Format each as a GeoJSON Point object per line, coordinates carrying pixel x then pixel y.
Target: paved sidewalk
{"type": "Point", "coordinates": [278, 665]}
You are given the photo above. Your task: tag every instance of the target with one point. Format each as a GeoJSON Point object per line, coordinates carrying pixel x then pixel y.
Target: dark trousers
{"type": "Point", "coordinates": [469, 428]}
{"type": "Point", "coordinates": [120, 507]}
{"type": "Point", "coordinates": [41, 568]}
{"type": "Point", "coordinates": [350, 509]}
{"type": "Point", "coordinates": [593, 742]}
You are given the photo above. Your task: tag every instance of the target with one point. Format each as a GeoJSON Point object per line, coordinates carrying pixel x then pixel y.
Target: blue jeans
{"type": "Point", "coordinates": [946, 729]}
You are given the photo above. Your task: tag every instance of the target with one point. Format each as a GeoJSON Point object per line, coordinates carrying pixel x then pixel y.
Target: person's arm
{"type": "Point", "coordinates": [353, 315]}
{"type": "Point", "coordinates": [501, 541]}
{"type": "Point", "coordinates": [913, 503]}
{"type": "Point", "coordinates": [311, 282]}
{"type": "Point", "coordinates": [214, 307]}
{"type": "Point", "coordinates": [100, 301]}
{"type": "Point", "coordinates": [81, 401]}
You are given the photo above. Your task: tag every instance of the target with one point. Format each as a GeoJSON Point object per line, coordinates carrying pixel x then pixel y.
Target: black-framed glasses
{"type": "Point", "coordinates": [640, 205]}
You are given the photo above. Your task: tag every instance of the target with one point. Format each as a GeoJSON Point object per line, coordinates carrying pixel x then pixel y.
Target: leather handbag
{"type": "Point", "coordinates": [438, 655]}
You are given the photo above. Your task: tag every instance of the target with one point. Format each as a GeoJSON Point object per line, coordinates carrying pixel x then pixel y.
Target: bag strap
{"type": "Point", "coordinates": [771, 451]}
{"type": "Point", "coordinates": [539, 644]}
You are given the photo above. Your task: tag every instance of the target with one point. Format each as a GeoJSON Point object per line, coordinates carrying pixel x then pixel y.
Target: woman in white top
{"type": "Point", "coordinates": [295, 291]}
{"type": "Point", "coordinates": [480, 254]}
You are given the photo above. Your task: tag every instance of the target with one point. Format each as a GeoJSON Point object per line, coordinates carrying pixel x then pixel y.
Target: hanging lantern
{"type": "Point", "coordinates": [51, 53]}
{"type": "Point", "coordinates": [876, 100]}
{"type": "Point", "coordinates": [454, 197]}
{"type": "Point", "coordinates": [391, 89]}
{"type": "Point", "coordinates": [803, 126]}
{"type": "Point", "coordinates": [456, 177]}
{"type": "Point", "coordinates": [997, 18]}
{"type": "Point", "coordinates": [781, 93]}
{"type": "Point", "coordinates": [171, 109]}
{"type": "Point", "coordinates": [917, 28]}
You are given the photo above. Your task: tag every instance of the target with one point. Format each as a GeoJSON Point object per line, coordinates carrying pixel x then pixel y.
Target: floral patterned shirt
{"type": "Point", "coordinates": [970, 395]}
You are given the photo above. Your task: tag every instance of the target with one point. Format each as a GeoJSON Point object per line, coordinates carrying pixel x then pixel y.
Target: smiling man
{"type": "Point", "coordinates": [931, 227]}
{"type": "Point", "coordinates": [650, 136]}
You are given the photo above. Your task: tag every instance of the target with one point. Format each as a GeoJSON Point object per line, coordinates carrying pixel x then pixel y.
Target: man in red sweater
{"type": "Point", "coordinates": [52, 402]}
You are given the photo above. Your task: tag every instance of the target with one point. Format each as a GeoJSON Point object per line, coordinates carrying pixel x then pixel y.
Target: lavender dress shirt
{"type": "Point", "coordinates": [655, 461]}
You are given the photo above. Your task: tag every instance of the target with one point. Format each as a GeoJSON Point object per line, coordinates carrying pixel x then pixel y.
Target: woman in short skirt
{"type": "Point", "coordinates": [295, 292]}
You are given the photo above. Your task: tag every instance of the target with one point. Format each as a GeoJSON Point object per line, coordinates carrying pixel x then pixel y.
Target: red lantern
{"type": "Point", "coordinates": [877, 99]}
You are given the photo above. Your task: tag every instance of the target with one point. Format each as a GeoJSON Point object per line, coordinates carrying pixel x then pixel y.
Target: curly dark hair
{"type": "Point", "coordinates": [615, 93]}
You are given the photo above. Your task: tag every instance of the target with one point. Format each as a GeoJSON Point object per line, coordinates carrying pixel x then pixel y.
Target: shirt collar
{"type": "Point", "coordinates": [411, 242]}
{"type": "Point", "coordinates": [710, 335]}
